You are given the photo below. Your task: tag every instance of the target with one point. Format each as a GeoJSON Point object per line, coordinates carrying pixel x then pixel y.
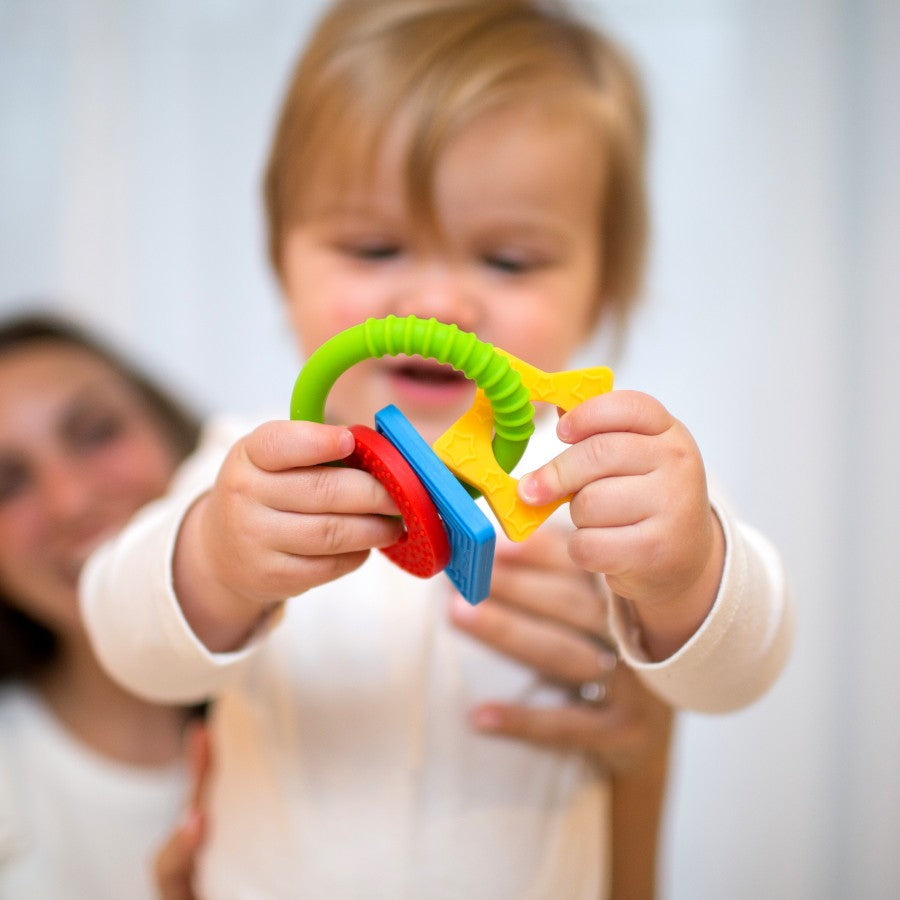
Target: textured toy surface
{"type": "Point", "coordinates": [471, 535]}
{"type": "Point", "coordinates": [475, 455]}
{"type": "Point", "coordinates": [424, 549]}
{"type": "Point", "coordinates": [466, 446]}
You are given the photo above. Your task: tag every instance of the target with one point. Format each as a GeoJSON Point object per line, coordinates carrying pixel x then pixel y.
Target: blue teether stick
{"type": "Point", "coordinates": [470, 532]}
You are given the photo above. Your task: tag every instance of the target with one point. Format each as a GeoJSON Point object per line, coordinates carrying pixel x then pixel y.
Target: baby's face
{"type": "Point", "coordinates": [515, 259]}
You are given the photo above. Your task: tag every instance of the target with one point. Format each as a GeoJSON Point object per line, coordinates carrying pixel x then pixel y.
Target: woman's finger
{"type": "Point", "coordinates": [538, 577]}
{"type": "Point", "coordinates": [556, 652]}
{"type": "Point", "coordinates": [570, 599]}
{"type": "Point", "coordinates": [176, 859]}
{"type": "Point", "coordinates": [199, 759]}
{"type": "Point", "coordinates": [620, 733]}
{"type": "Point", "coordinates": [174, 864]}
{"type": "Point", "coordinates": [611, 738]}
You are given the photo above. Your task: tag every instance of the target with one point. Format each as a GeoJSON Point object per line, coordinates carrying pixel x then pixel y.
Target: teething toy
{"type": "Point", "coordinates": [480, 449]}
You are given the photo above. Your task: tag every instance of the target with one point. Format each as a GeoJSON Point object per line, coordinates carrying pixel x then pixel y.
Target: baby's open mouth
{"type": "Point", "coordinates": [427, 385]}
{"type": "Point", "coordinates": [428, 372]}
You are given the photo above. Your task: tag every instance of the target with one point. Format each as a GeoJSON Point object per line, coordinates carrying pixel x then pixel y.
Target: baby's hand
{"type": "Point", "coordinates": [641, 510]}
{"type": "Point", "coordinates": [277, 522]}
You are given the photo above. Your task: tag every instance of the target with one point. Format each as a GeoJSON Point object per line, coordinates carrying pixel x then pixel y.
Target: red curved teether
{"type": "Point", "coordinates": [424, 549]}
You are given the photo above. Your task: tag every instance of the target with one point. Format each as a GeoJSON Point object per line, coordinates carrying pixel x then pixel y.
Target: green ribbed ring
{"type": "Point", "coordinates": [477, 360]}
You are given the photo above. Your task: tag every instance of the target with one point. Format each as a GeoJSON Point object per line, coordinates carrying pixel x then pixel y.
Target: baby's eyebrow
{"type": "Point", "coordinates": [349, 207]}
{"type": "Point", "coordinates": [541, 232]}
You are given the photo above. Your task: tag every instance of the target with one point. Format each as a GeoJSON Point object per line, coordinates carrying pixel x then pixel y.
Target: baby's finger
{"type": "Point", "coordinates": [287, 575]}
{"type": "Point", "coordinates": [327, 534]}
{"type": "Point", "coordinates": [597, 456]}
{"type": "Point", "coordinates": [282, 445]}
{"type": "Point", "coordinates": [617, 550]}
{"type": "Point", "coordinates": [625, 411]}
{"type": "Point", "coordinates": [612, 502]}
{"type": "Point", "coordinates": [325, 489]}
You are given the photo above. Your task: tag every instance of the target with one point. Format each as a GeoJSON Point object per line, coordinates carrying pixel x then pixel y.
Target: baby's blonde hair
{"type": "Point", "coordinates": [439, 64]}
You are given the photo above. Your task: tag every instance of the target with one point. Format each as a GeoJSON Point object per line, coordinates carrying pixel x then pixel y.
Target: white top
{"type": "Point", "coordinates": [75, 825]}
{"type": "Point", "coordinates": [344, 764]}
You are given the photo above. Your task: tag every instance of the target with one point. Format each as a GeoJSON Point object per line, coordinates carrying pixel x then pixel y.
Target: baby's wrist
{"type": "Point", "coordinates": [221, 618]}
{"type": "Point", "coordinates": [668, 621]}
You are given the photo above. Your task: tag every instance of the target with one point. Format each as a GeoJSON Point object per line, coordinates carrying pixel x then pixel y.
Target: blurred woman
{"type": "Point", "coordinates": [91, 777]}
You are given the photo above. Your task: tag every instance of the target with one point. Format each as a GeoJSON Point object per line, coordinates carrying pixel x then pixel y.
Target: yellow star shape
{"type": "Point", "coordinates": [465, 448]}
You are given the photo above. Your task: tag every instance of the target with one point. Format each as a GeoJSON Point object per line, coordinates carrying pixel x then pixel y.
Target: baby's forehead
{"type": "Point", "coordinates": [369, 150]}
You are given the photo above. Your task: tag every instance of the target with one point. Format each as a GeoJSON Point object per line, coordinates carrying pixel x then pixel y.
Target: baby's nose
{"type": "Point", "coordinates": [444, 294]}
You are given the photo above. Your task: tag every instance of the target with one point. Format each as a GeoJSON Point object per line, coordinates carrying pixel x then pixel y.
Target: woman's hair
{"type": "Point", "coordinates": [435, 65]}
{"type": "Point", "coordinates": [25, 644]}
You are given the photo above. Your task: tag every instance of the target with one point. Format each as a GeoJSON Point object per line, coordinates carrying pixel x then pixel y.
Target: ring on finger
{"type": "Point", "coordinates": [594, 692]}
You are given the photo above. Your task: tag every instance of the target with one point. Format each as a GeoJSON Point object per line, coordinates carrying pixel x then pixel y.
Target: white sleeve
{"type": "Point", "coordinates": [129, 605]}
{"type": "Point", "coordinates": [742, 645]}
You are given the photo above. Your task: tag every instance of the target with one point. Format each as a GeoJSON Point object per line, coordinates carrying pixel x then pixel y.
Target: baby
{"type": "Point", "coordinates": [482, 164]}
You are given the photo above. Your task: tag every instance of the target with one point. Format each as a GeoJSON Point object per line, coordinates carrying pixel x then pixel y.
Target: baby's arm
{"type": "Point", "coordinates": [708, 620]}
{"type": "Point", "coordinates": [277, 522]}
{"type": "Point", "coordinates": [139, 629]}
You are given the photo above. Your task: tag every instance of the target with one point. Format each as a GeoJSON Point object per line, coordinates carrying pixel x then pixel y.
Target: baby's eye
{"type": "Point", "coordinates": [512, 264]}
{"type": "Point", "coordinates": [374, 251]}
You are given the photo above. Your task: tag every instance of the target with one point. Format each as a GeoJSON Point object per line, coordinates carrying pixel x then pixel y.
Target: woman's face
{"type": "Point", "coordinates": [79, 453]}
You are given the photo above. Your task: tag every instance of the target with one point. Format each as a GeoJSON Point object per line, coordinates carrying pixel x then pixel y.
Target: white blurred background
{"type": "Point", "coordinates": [132, 136]}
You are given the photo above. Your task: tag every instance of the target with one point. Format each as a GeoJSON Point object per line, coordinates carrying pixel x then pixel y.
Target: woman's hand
{"type": "Point", "coordinates": [550, 615]}
{"type": "Point", "coordinates": [176, 859]}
